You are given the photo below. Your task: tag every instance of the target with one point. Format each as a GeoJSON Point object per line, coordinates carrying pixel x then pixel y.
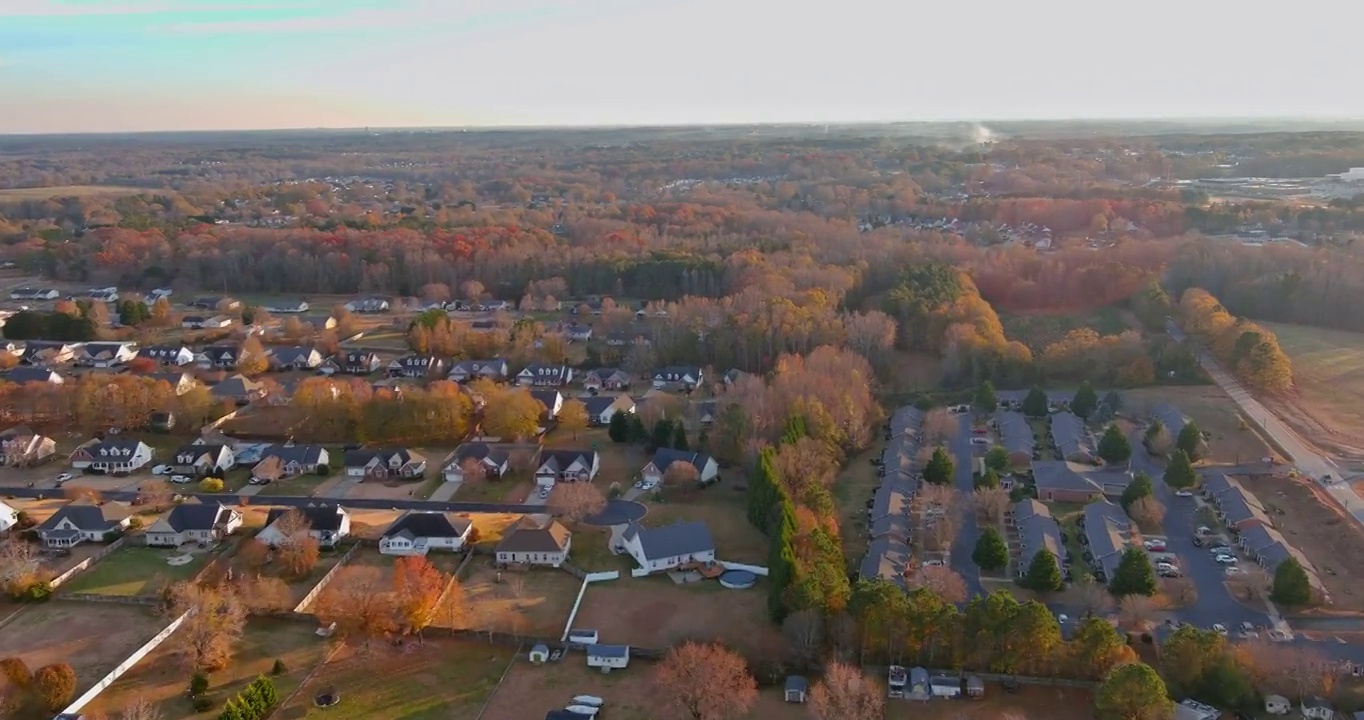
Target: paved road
{"type": "Point", "coordinates": [965, 542]}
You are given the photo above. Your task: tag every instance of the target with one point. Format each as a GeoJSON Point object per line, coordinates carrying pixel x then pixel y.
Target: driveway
{"type": "Point", "coordinates": [965, 541]}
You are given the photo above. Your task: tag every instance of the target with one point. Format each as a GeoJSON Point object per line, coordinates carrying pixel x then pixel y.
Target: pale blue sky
{"type": "Point", "coordinates": [120, 65]}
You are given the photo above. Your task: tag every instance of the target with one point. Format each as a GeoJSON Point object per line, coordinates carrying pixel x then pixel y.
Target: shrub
{"type": "Point", "coordinates": [54, 686]}
{"type": "Point", "coordinates": [16, 671]}
{"type": "Point", "coordinates": [278, 667]}
{"type": "Point", "coordinates": [135, 523]}
{"type": "Point", "coordinates": [39, 591]}
{"type": "Point", "coordinates": [211, 485]}
{"type": "Point", "coordinates": [198, 683]}
{"type": "Point", "coordinates": [202, 703]}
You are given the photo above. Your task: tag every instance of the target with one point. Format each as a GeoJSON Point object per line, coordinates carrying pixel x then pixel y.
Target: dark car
{"type": "Point", "coordinates": [1197, 541]}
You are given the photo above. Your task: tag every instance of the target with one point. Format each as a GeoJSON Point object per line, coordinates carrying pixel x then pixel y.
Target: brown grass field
{"type": "Point", "coordinates": [1327, 404]}
{"type": "Point", "coordinates": [534, 602]}
{"type": "Point", "coordinates": [92, 637]}
{"type": "Point", "coordinates": [1214, 412]}
{"type": "Point", "coordinates": [1317, 527]}
{"type": "Point", "coordinates": [66, 191]}
{"type": "Point", "coordinates": [723, 507]}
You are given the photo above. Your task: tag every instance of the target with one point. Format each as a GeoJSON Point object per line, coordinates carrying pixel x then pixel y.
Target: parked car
{"type": "Point", "coordinates": [1155, 545]}
{"type": "Point", "coordinates": [1219, 550]}
{"type": "Point", "coordinates": [1233, 570]}
{"type": "Point", "coordinates": [1248, 630]}
{"type": "Point", "coordinates": [64, 477]}
{"type": "Point", "coordinates": [980, 441]}
{"type": "Point", "coordinates": [1220, 629]}
{"type": "Point", "coordinates": [1184, 493]}
{"type": "Point", "coordinates": [980, 431]}
{"type": "Point", "coordinates": [544, 493]}
{"type": "Point", "coordinates": [1203, 531]}
{"type": "Point", "coordinates": [161, 470]}
{"type": "Point", "coordinates": [1226, 559]}
{"type": "Point", "coordinates": [181, 479]}
{"type": "Point", "coordinates": [1197, 541]}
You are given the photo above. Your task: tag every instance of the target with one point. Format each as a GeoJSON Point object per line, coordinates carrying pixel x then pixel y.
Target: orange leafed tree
{"type": "Point", "coordinates": [704, 682]}
{"type": "Point", "coordinates": [360, 604]}
{"type": "Point", "coordinates": [576, 500]}
{"type": "Point", "coordinates": [417, 587]}
{"type": "Point", "coordinates": [844, 693]}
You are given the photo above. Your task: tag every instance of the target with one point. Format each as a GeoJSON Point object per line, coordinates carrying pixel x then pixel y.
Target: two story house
{"type": "Point", "coordinates": [112, 455]}
{"type": "Point", "coordinates": [566, 466]}
{"type": "Point", "coordinates": [546, 376]}
{"type": "Point", "coordinates": [357, 362]}
{"type": "Point", "coordinates": [418, 367]}
{"type": "Point", "coordinates": [203, 459]}
{"type": "Point", "coordinates": [466, 370]}
{"type": "Point", "coordinates": [683, 376]}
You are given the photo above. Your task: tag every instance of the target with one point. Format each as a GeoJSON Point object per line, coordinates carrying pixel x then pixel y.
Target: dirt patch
{"type": "Point", "coordinates": [656, 613]}
{"type": "Point", "coordinates": [1233, 441]}
{"type": "Point", "coordinates": [531, 602]}
{"type": "Point", "coordinates": [1316, 526]}
{"type": "Point", "coordinates": [1030, 703]}
{"type": "Point", "coordinates": [92, 637]}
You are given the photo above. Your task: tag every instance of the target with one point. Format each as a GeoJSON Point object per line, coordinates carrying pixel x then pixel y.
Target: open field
{"type": "Point", "coordinates": [437, 680]}
{"type": "Point", "coordinates": [92, 637]}
{"type": "Point", "coordinates": [1317, 527]}
{"type": "Point", "coordinates": [529, 602]}
{"type": "Point", "coordinates": [1232, 440]}
{"type": "Point", "coordinates": [162, 678]}
{"type": "Point", "coordinates": [135, 570]}
{"type": "Point", "coordinates": [1030, 703]}
{"type": "Point", "coordinates": [1327, 405]}
{"type": "Point", "coordinates": [654, 612]}
{"type": "Point", "coordinates": [1037, 331]}
{"type": "Point", "coordinates": [723, 507]}
{"type": "Point", "coordinates": [66, 191]}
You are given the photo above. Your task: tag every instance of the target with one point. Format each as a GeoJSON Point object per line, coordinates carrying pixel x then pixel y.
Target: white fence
{"type": "Point", "coordinates": [86, 563]}
{"type": "Point", "coordinates": [308, 599]}
{"type": "Point", "coordinates": [588, 579]}
{"type": "Point", "coordinates": [74, 708]}
{"type": "Point", "coordinates": [755, 569]}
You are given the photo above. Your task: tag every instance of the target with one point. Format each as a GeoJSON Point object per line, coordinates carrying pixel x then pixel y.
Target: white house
{"type": "Point", "coordinates": [553, 400]}
{"type": "Point", "coordinates": [200, 322]}
{"type": "Point", "coordinates": [327, 524]}
{"type": "Point", "coordinates": [203, 459]}
{"type": "Point", "coordinates": [287, 307]}
{"type": "Point", "coordinates": [608, 657]}
{"type": "Point", "coordinates": [670, 546]}
{"type": "Point", "coordinates": [384, 464]}
{"type": "Point", "coordinates": [687, 376]}
{"type": "Point", "coordinates": [20, 446]}
{"type": "Point", "coordinates": [48, 352]}
{"type": "Point", "coordinates": [465, 370]}
{"type": "Point", "coordinates": [1278, 705]}
{"type": "Point", "coordinates": [106, 354]}
{"type": "Point", "coordinates": [533, 542]}
{"type": "Point", "coordinates": [29, 293]}
{"type": "Point", "coordinates": [203, 523]}
{"type": "Point", "coordinates": [706, 467]}
{"type": "Point", "coordinates": [567, 466]}
{"type": "Point", "coordinates": [112, 455]}
{"type": "Point", "coordinates": [606, 379]}
{"type": "Point", "coordinates": [23, 375]}
{"type": "Point", "coordinates": [292, 459]}
{"type": "Point", "coordinates": [9, 517]}
{"type": "Point", "coordinates": [542, 375]}
{"type": "Point", "coordinates": [77, 523]}
{"type": "Point", "coordinates": [295, 358]}
{"type": "Point", "coordinates": [417, 532]}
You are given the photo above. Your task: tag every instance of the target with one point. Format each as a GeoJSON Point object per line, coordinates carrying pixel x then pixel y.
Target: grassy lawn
{"type": "Point", "coordinates": [1328, 372]}
{"type": "Point", "coordinates": [1233, 441]}
{"type": "Point", "coordinates": [590, 551]}
{"type": "Point", "coordinates": [723, 507]}
{"type": "Point", "coordinates": [135, 570]}
{"type": "Point", "coordinates": [1039, 331]}
{"type": "Point", "coordinates": [1071, 530]}
{"type": "Point", "coordinates": [501, 490]}
{"type": "Point", "coordinates": [1039, 432]}
{"type": "Point", "coordinates": [534, 602]}
{"type": "Point", "coordinates": [439, 680]}
{"type": "Point", "coordinates": [297, 486]}
{"type": "Point", "coordinates": [161, 676]}
{"type": "Point", "coordinates": [855, 485]}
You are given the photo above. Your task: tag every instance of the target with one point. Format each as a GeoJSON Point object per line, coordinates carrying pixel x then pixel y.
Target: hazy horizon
{"type": "Point", "coordinates": [110, 66]}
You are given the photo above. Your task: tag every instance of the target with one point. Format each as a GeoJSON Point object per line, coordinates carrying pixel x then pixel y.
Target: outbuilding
{"type": "Point", "coordinates": [608, 657]}
{"type": "Point", "coordinates": [945, 686]}
{"type": "Point", "coordinates": [539, 654]}
{"type": "Point", "coordinates": [797, 688]}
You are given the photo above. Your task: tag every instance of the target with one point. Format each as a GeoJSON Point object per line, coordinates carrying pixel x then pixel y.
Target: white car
{"type": "Point", "coordinates": [64, 477]}
{"type": "Point", "coordinates": [161, 470]}
{"type": "Point", "coordinates": [1184, 493]}
{"type": "Point", "coordinates": [181, 479]}
{"type": "Point", "coordinates": [1226, 559]}
{"type": "Point", "coordinates": [1233, 570]}
{"type": "Point", "coordinates": [980, 441]}
{"type": "Point", "coordinates": [1220, 629]}
{"type": "Point", "coordinates": [544, 493]}
{"type": "Point", "coordinates": [933, 563]}
{"type": "Point", "coordinates": [1248, 630]}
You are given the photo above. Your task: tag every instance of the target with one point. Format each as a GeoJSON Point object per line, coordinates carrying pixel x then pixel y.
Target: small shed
{"type": "Point", "coordinates": [797, 688]}
{"type": "Point", "coordinates": [583, 637]}
{"type": "Point", "coordinates": [1277, 705]}
{"type": "Point", "coordinates": [919, 688]}
{"type": "Point", "coordinates": [539, 654]}
{"type": "Point", "coordinates": [975, 687]}
{"type": "Point", "coordinates": [608, 657]}
{"type": "Point", "coordinates": [945, 686]}
{"type": "Point", "coordinates": [896, 679]}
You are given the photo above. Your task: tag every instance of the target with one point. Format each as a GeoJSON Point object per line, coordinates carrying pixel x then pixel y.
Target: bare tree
{"type": "Point", "coordinates": [1137, 611]}
{"type": "Point", "coordinates": [1251, 582]}
{"type": "Point", "coordinates": [1292, 670]}
{"type": "Point", "coordinates": [360, 604]}
{"type": "Point", "coordinates": [939, 426]}
{"type": "Point", "coordinates": [297, 549]}
{"type": "Point", "coordinates": [1179, 592]}
{"type": "Point", "coordinates": [844, 693]}
{"type": "Point", "coordinates": [1091, 597]}
{"type": "Point", "coordinates": [1148, 512]}
{"type": "Point", "coordinates": [20, 565]}
{"type": "Point", "coordinates": [942, 507]}
{"type": "Point", "coordinates": [263, 594]}
{"type": "Point", "coordinates": [81, 493]}
{"type": "Point", "coordinates": [473, 471]}
{"type": "Point", "coordinates": [704, 682]}
{"type": "Point", "coordinates": [942, 580]}
{"type": "Point", "coordinates": [681, 474]}
{"type": "Point", "coordinates": [842, 634]}
{"type": "Point", "coordinates": [216, 619]}
{"type": "Point", "coordinates": [804, 632]}
{"type": "Point", "coordinates": [575, 501]}
{"type": "Point", "coordinates": [141, 709]}
{"type": "Point", "coordinates": [991, 503]}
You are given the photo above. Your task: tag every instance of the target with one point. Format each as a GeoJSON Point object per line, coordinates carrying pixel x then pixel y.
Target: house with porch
{"type": "Point", "coordinates": [294, 358]}
{"type": "Point", "coordinates": [113, 454]}
{"type": "Point", "coordinates": [566, 466]}
{"type": "Point", "coordinates": [534, 541]}
{"type": "Point", "coordinates": [80, 522]}
{"type": "Point", "coordinates": [600, 379]}
{"type": "Point", "coordinates": [601, 408]}
{"type": "Point", "coordinates": [417, 532]}
{"type": "Point", "coordinates": [685, 376]}
{"type": "Point", "coordinates": [494, 459]}
{"type": "Point", "coordinates": [202, 523]}
{"type": "Point", "coordinates": [669, 546]}
{"type": "Point", "coordinates": [418, 367]}
{"type": "Point", "coordinates": [465, 370]}
{"type": "Point", "coordinates": [294, 459]}
{"type": "Point", "coordinates": [545, 375]}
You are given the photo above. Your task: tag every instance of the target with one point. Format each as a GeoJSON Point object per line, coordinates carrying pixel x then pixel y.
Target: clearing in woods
{"type": "Point", "coordinates": [1327, 404]}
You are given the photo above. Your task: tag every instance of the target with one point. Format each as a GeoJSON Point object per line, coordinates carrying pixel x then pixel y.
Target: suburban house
{"type": "Point", "coordinates": [687, 376]}
{"type": "Point", "coordinates": [29, 293]}
{"type": "Point", "coordinates": [172, 355]}
{"type": "Point", "coordinates": [1104, 533]}
{"type": "Point", "coordinates": [707, 412]}
{"type": "Point", "coordinates": [418, 366]}
{"type": "Point", "coordinates": [670, 546]}
{"type": "Point", "coordinates": [80, 522]}
{"type": "Point", "coordinates": [20, 446]}
{"type": "Point", "coordinates": [466, 370]}
{"type": "Point", "coordinates": [222, 357]}
{"type": "Point", "coordinates": [368, 306]}
{"type": "Point", "coordinates": [566, 466]}
{"type": "Point", "coordinates": [417, 532]}
{"type": "Point", "coordinates": [1037, 532]}
{"type": "Point", "coordinates": [357, 362]}
{"type": "Point", "coordinates": [706, 468]}
{"type": "Point", "coordinates": [1071, 438]}
{"type": "Point", "coordinates": [1317, 708]}
{"type": "Point", "coordinates": [1235, 506]}
{"type": "Point", "coordinates": [384, 464]}
{"type": "Point", "coordinates": [888, 559]}
{"type": "Point", "coordinates": [578, 333]}
{"type": "Point", "coordinates": [239, 389]}
{"type": "Point", "coordinates": [203, 459]}
{"type": "Point", "coordinates": [608, 657]}
{"type": "Point", "coordinates": [327, 524]}
{"type": "Point", "coordinates": [606, 379]}
{"type": "Point", "coordinates": [1066, 481]}
{"type": "Point", "coordinates": [552, 400]}
{"type": "Point", "coordinates": [215, 302]}
{"type": "Point", "coordinates": [22, 375]}
{"type": "Point", "coordinates": [294, 358]}
{"type": "Point", "coordinates": [601, 408]}
{"type": "Point", "coordinates": [105, 295]}
{"type": "Point", "coordinates": [1170, 417]}
{"type": "Point", "coordinates": [534, 542]}
{"type": "Point", "coordinates": [47, 352]}
{"type": "Point", "coordinates": [180, 382]}
{"type": "Point", "coordinates": [292, 460]}
{"type": "Point", "coordinates": [9, 517]}
{"type": "Point", "coordinates": [493, 458]}
{"type": "Point", "coordinates": [543, 375]}
{"type": "Point", "coordinates": [203, 523]}
{"type": "Point", "coordinates": [1015, 436]}
{"type": "Point", "coordinates": [205, 322]}
{"type": "Point", "coordinates": [106, 354]}
{"type": "Point", "coordinates": [287, 307]}
{"type": "Point", "coordinates": [113, 454]}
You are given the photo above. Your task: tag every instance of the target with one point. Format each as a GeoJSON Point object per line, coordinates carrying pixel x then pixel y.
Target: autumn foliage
{"type": "Point", "coordinates": [1247, 349]}
{"type": "Point", "coordinates": [704, 682]}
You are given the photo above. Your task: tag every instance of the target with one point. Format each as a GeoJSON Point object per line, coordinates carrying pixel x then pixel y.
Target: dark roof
{"type": "Point", "coordinates": [796, 683]}
{"type": "Point", "coordinates": [428, 524]}
{"type": "Point", "coordinates": [1240, 506]}
{"type": "Point", "coordinates": [598, 404]}
{"type": "Point", "coordinates": [557, 460]}
{"type": "Point", "coordinates": [605, 373]}
{"type": "Point", "coordinates": [1063, 475]}
{"type": "Point", "coordinates": [496, 366]}
{"type": "Point", "coordinates": [496, 453]}
{"type": "Point", "coordinates": [608, 651]}
{"type": "Point", "coordinates": [302, 454]}
{"type": "Point", "coordinates": [197, 451]}
{"type": "Point", "coordinates": [1071, 436]}
{"type": "Point", "coordinates": [320, 517]}
{"type": "Point", "coordinates": [683, 538]}
{"type": "Point", "coordinates": [1170, 417]}
{"type": "Point", "coordinates": [94, 349]}
{"type": "Point", "coordinates": [172, 377]}
{"type": "Point", "coordinates": [1015, 434]}
{"type": "Point", "coordinates": [528, 535]}
{"type": "Point", "coordinates": [546, 397]}
{"type": "Point", "coordinates": [362, 456]}
{"type": "Point", "coordinates": [291, 355]}
{"type": "Point", "coordinates": [85, 517]}
{"type": "Point", "coordinates": [24, 374]}
{"type": "Point", "coordinates": [664, 457]}
{"type": "Point", "coordinates": [237, 386]}
{"type": "Point", "coordinates": [114, 446]}
{"type": "Point", "coordinates": [195, 516]}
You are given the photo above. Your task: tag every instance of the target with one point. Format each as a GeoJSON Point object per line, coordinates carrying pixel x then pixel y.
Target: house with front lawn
{"type": "Point", "coordinates": [327, 524]}
{"type": "Point", "coordinates": [1063, 481]}
{"type": "Point", "coordinates": [545, 375]}
{"type": "Point", "coordinates": [20, 446]}
{"type": "Point", "coordinates": [167, 355]}
{"type": "Point", "coordinates": [384, 464]}
{"type": "Point", "coordinates": [106, 354]}
{"type": "Point", "coordinates": [203, 523]}
{"type": "Point", "coordinates": [601, 408]}
{"type": "Point", "coordinates": [203, 459]}
{"type": "Point", "coordinates": [670, 546]}
{"type": "Point", "coordinates": [566, 466]}
{"type": "Point", "coordinates": [531, 541]}
{"type": "Point", "coordinates": [465, 370]}
{"type": "Point", "coordinates": [493, 458]}
{"type": "Point", "coordinates": [80, 522]}
{"type": "Point", "coordinates": [684, 376]}
{"type": "Point", "coordinates": [294, 459]}
{"type": "Point", "coordinates": [707, 469]}
{"type": "Point", "coordinates": [417, 532]}
{"type": "Point", "coordinates": [112, 455]}
{"type": "Point", "coordinates": [600, 379]}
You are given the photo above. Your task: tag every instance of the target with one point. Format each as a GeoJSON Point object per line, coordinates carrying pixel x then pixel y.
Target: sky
{"type": "Point", "coordinates": [142, 65]}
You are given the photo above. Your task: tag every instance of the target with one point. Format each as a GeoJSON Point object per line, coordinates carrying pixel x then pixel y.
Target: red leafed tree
{"type": "Point", "coordinates": [704, 682]}
{"type": "Point", "coordinates": [417, 585]}
{"type": "Point", "coordinates": [139, 365]}
{"type": "Point", "coordinates": [844, 693]}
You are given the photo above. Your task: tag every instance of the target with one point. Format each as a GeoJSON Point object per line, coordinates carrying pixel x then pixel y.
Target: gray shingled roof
{"type": "Point", "coordinates": [301, 454]}
{"type": "Point", "coordinates": [1105, 524]}
{"type": "Point", "coordinates": [683, 538]}
{"type": "Point", "coordinates": [1015, 434]}
{"type": "Point", "coordinates": [1062, 475]}
{"type": "Point", "coordinates": [1071, 435]}
{"type": "Point", "coordinates": [85, 517]}
{"type": "Point", "coordinates": [194, 516]}
{"type": "Point", "coordinates": [428, 524]}
{"type": "Point", "coordinates": [529, 535]}
{"type": "Point", "coordinates": [1170, 417]}
{"type": "Point", "coordinates": [1239, 506]}
{"type": "Point", "coordinates": [320, 517]}
{"type": "Point", "coordinates": [887, 558]}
